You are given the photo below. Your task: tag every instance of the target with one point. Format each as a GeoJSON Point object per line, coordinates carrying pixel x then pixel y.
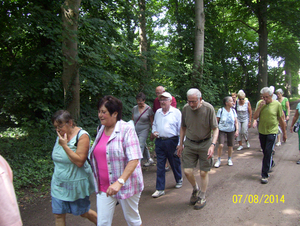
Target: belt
{"type": "Point", "coordinates": [198, 141]}
{"type": "Point", "coordinates": [166, 138]}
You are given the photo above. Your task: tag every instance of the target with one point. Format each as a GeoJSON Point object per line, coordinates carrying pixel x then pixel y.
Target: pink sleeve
{"type": "Point", "coordinates": [9, 213]}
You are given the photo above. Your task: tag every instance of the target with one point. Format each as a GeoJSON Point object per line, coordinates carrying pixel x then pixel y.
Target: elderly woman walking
{"type": "Point", "coordinates": [244, 115]}
{"type": "Point", "coordinates": [115, 159]}
{"type": "Point", "coordinates": [286, 109]}
{"type": "Point", "coordinates": [142, 115]}
{"type": "Point", "coordinates": [228, 126]}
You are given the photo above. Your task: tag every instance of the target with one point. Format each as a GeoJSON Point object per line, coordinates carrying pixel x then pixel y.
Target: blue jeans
{"type": "Point", "coordinates": [267, 143]}
{"type": "Point", "coordinates": [165, 149]}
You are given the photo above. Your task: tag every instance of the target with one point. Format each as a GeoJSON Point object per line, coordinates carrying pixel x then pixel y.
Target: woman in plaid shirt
{"type": "Point", "coordinates": [115, 159]}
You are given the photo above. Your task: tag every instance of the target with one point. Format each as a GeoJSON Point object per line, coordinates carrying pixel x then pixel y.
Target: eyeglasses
{"type": "Point", "coordinates": [60, 126]}
{"type": "Point", "coordinates": [163, 100]}
{"type": "Point", "coordinates": [140, 101]}
{"type": "Point", "coordinates": [192, 101]}
{"type": "Point", "coordinates": [242, 98]}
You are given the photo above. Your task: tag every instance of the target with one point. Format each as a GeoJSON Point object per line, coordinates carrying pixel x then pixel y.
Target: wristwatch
{"type": "Point", "coordinates": [121, 181]}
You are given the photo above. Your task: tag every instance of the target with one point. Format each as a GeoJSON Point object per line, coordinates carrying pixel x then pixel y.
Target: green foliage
{"type": "Point", "coordinates": [28, 156]}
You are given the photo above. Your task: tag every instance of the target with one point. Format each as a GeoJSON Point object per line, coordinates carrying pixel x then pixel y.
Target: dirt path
{"type": "Point", "coordinates": [235, 195]}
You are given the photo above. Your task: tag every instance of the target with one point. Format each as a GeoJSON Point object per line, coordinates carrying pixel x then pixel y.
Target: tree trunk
{"type": "Point", "coordinates": [143, 37]}
{"type": "Point", "coordinates": [263, 45]}
{"type": "Point", "coordinates": [199, 37]}
{"type": "Point", "coordinates": [288, 80]}
{"type": "Point", "coordinates": [70, 76]}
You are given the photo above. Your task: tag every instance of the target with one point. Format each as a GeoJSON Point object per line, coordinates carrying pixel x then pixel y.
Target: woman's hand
{"type": "Point", "coordinates": [63, 141]}
{"type": "Point", "coordinates": [113, 189]}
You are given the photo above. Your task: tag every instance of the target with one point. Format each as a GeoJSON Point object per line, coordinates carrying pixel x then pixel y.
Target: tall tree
{"type": "Point", "coordinates": [199, 37]}
{"type": "Point", "coordinates": [70, 76]}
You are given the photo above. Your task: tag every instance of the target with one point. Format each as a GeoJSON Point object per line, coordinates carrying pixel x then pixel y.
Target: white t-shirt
{"type": "Point", "coordinates": [226, 122]}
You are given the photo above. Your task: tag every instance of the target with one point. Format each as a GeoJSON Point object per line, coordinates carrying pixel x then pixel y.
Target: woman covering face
{"type": "Point", "coordinates": [72, 181]}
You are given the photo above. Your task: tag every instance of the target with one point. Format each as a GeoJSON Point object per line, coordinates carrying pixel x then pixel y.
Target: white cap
{"type": "Point", "coordinates": [165, 94]}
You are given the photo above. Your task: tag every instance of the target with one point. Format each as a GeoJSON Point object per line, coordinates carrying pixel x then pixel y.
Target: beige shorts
{"type": "Point", "coordinates": [193, 152]}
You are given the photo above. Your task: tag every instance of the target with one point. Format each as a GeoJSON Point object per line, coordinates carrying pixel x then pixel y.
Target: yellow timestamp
{"type": "Point", "coordinates": [257, 199]}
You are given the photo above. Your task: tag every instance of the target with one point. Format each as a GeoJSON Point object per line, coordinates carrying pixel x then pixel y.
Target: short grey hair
{"type": "Point", "coordinates": [267, 90]}
{"type": "Point", "coordinates": [194, 91]}
{"type": "Point", "coordinates": [279, 91]}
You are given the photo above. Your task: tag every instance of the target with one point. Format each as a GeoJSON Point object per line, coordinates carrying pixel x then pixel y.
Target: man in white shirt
{"type": "Point", "coordinates": [166, 129]}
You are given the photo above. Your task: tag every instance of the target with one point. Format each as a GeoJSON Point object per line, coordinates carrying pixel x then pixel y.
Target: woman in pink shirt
{"type": "Point", "coordinates": [115, 157]}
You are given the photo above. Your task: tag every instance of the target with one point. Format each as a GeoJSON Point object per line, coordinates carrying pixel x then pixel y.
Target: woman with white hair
{"type": "Point", "coordinates": [286, 109]}
{"type": "Point", "coordinates": [244, 115]}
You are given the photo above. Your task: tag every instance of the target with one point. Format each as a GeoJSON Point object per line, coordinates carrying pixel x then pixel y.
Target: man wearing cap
{"type": "Point", "coordinates": [198, 120]}
{"type": "Point", "coordinates": [166, 130]}
{"type": "Point", "coordinates": [156, 105]}
{"type": "Point", "coordinates": [270, 113]}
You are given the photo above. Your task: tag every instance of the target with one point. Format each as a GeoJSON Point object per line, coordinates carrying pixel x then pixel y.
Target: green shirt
{"type": "Point", "coordinates": [283, 104]}
{"type": "Point", "coordinates": [269, 118]}
{"type": "Point", "coordinates": [69, 182]}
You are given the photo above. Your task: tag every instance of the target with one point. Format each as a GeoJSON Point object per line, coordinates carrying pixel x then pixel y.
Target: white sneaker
{"type": "Point", "coordinates": [149, 163]}
{"type": "Point", "coordinates": [278, 144]}
{"type": "Point", "coordinates": [239, 148]}
{"type": "Point", "coordinates": [179, 184]}
{"type": "Point", "coordinates": [248, 144]}
{"type": "Point", "coordinates": [158, 193]}
{"type": "Point", "coordinates": [218, 163]}
{"type": "Point", "coordinates": [229, 162]}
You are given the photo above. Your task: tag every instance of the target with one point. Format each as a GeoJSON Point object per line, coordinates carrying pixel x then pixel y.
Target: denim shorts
{"type": "Point", "coordinates": [77, 207]}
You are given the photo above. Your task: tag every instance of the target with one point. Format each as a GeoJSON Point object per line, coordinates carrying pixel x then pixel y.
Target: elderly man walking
{"type": "Point", "coordinates": [270, 113]}
{"type": "Point", "coordinates": [166, 129]}
{"type": "Point", "coordinates": [198, 120]}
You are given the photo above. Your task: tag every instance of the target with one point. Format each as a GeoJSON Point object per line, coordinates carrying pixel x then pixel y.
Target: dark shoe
{"type": "Point", "coordinates": [167, 169]}
{"type": "Point", "coordinates": [264, 180]}
{"type": "Point", "coordinates": [298, 162]}
{"type": "Point", "coordinates": [195, 196]}
{"type": "Point", "coordinates": [200, 204]}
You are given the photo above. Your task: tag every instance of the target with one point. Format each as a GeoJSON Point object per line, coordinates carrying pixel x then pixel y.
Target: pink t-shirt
{"type": "Point", "coordinates": [9, 210]}
{"type": "Point", "coordinates": [100, 155]}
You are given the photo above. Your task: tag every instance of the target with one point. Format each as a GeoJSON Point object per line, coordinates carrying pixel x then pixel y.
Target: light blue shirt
{"type": "Point", "coordinates": [167, 125]}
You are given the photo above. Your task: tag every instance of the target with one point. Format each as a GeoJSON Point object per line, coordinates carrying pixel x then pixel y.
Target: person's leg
{"type": "Point", "coordinates": [230, 141]}
{"type": "Point", "coordinates": [230, 149]}
{"type": "Point", "coordinates": [161, 161]}
{"type": "Point", "coordinates": [131, 210]}
{"type": "Point", "coordinates": [91, 215]}
{"type": "Point", "coordinates": [239, 138]}
{"type": "Point", "coordinates": [204, 181]}
{"type": "Point", "coordinates": [269, 141]}
{"type": "Point", "coordinates": [105, 209]}
{"type": "Point", "coordinates": [174, 160]}
{"type": "Point", "coordinates": [60, 219]}
{"type": "Point", "coordinates": [142, 141]}
{"type": "Point", "coordinates": [245, 131]}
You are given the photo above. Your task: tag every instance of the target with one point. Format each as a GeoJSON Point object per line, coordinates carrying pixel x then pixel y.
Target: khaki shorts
{"type": "Point", "coordinates": [230, 138]}
{"type": "Point", "coordinates": [193, 152]}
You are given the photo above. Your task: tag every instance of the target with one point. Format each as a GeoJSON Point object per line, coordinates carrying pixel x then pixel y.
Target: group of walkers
{"type": "Point", "coordinates": [185, 137]}
{"type": "Point", "coordinates": [112, 166]}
